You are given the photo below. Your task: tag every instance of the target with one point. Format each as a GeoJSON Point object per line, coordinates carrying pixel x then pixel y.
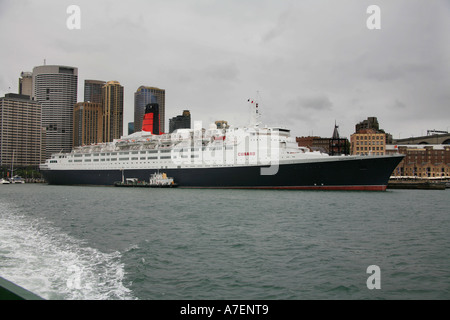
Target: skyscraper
{"type": "Point", "coordinates": [20, 131]}
{"type": "Point", "coordinates": [26, 83]}
{"type": "Point", "coordinates": [55, 87]}
{"type": "Point", "coordinates": [144, 96]}
{"type": "Point", "coordinates": [112, 93]}
{"type": "Point", "coordinates": [180, 122]}
{"type": "Point", "coordinates": [93, 90]}
{"type": "Point", "coordinates": [87, 123]}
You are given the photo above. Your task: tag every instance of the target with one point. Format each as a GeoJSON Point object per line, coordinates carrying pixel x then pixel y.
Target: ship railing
{"type": "Point", "coordinates": [166, 137]}
{"type": "Point", "coordinates": [150, 141]}
{"type": "Point", "coordinates": [150, 146]}
{"type": "Point", "coordinates": [136, 147]}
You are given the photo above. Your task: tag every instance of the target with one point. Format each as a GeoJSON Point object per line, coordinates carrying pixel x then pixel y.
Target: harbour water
{"type": "Point", "coordinates": [68, 242]}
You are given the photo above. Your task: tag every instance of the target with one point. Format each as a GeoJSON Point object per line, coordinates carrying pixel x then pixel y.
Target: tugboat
{"type": "Point", "coordinates": [157, 180]}
{"type": "Point", "coordinates": [160, 180]}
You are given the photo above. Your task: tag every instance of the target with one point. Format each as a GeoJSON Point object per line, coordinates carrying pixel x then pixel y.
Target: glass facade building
{"type": "Point", "coordinates": [93, 90]}
{"type": "Point", "coordinates": [87, 123]}
{"type": "Point", "coordinates": [144, 96]}
{"type": "Point", "coordinates": [112, 93]}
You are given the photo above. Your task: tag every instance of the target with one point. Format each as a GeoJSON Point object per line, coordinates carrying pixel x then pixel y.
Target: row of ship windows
{"type": "Point", "coordinates": [123, 159]}
{"type": "Point", "coordinates": [142, 158]}
{"type": "Point", "coordinates": [145, 152]}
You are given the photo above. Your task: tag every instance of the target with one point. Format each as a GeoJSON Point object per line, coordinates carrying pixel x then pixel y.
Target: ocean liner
{"type": "Point", "coordinates": [254, 156]}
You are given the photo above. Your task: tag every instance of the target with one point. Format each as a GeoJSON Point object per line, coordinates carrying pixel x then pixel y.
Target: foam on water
{"type": "Point", "coordinates": [44, 260]}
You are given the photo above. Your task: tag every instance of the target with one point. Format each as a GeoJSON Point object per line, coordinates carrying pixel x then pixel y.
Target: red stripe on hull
{"type": "Point", "coordinates": [330, 188]}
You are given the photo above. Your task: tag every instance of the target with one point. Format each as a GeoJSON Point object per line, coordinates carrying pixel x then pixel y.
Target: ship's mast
{"type": "Point", "coordinates": [254, 111]}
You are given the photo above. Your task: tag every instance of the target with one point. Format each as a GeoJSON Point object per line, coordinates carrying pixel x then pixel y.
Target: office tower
{"type": "Point", "coordinates": [26, 83]}
{"type": "Point", "coordinates": [368, 142]}
{"type": "Point", "coordinates": [55, 87]}
{"type": "Point", "coordinates": [87, 123]}
{"type": "Point", "coordinates": [93, 90]}
{"type": "Point", "coordinates": [112, 93]}
{"type": "Point", "coordinates": [144, 96]}
{"type": "Point", "coordinates": [180, 122]}
{"type": "Point", "coordinates": [21, 133]}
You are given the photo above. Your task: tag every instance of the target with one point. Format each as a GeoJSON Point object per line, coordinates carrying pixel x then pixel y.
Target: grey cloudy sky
{"type": "Point", "coordinates": [313, 62]}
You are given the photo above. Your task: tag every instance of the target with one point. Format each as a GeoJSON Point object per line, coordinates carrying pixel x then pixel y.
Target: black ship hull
{"type": "Point", "coordinates": [340, 173]}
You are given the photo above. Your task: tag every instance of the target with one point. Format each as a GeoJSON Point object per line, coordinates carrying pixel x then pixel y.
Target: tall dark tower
{"type": "Point", "coordinates": [151, 119]}
{"type": "Point", "coordinates": [112, 93]}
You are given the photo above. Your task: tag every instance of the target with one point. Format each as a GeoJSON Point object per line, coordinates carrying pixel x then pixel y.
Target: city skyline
{"type": "Point", "coordinates": [313, 64]}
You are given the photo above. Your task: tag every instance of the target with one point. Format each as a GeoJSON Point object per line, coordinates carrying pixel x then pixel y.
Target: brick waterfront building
{"type": "Point", "coordinates": [430, 161]}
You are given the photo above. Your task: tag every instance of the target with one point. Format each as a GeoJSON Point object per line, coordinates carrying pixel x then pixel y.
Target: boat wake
{"type": "Point", "coordinates": [44, 260]}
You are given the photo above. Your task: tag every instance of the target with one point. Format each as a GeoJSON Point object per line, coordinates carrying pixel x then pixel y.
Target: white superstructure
{"type": "Point", "coordinates": [187, 148]}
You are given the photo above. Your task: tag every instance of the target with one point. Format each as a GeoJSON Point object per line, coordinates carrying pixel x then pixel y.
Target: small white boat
{"type": "Point", "coordinates": [17, 179]}
{"type": "Point", "coordinates": [4, 181]}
